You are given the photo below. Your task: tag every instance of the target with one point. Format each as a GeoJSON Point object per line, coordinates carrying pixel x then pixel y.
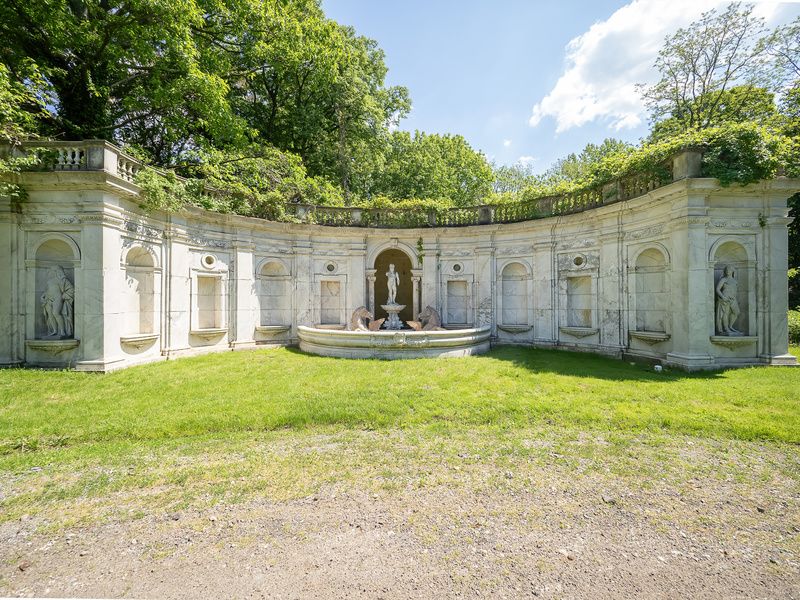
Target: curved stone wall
{"type": "Point", "coordinates": [643, 277]}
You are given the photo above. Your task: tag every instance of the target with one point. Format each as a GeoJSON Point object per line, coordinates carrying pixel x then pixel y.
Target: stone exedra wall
{"type": "Point", "coordinates": [691, 274]}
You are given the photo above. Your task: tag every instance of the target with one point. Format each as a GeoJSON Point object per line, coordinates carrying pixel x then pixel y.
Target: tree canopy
{"type": "Point", "coordinates": [272, 102]}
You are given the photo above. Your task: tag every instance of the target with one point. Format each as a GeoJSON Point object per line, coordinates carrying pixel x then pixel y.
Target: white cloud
{"type": "Point", "coordinates": [526, 161]}
{"type": "Point", "coordinates": [604, 64]}
{"type": "Point", "coordinates": [506, 143]}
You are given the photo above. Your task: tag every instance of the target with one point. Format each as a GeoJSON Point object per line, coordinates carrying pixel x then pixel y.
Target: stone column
{"type": "Point", "coordinates": [371, 289]}
{"type": "Point", "coordinates": [776, 296]}
{"type": "Point", "coordinates": [610, 296]}
{"type": "Point", "coordinates": [430, 274]}
{"type": "Point", "coordinates": [243, 300]}
{"type": "Point", "coordinates": [484, 286]}
{"type": "Point", "coordinates": [305, 296]}
{"type": "Point", "coordinates": [416, 277]}
{"type": "Point", "coordinates": [356, 277]}
{"type": "Point", "coordinates": [692, 300]}
{"type": "Point", "coordinates": [544, 291]}
{"type": "Point", "coordinates": [97, 308]}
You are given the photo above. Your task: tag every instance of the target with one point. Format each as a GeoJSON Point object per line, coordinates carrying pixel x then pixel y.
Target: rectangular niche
{"type": "Point", "coordinates": [209, 302]}
{"type": "Point", "coordinates": [457, 299]}
{"type": "Point", "coordinates": [330, 303]}
{"type": "Point", "coordinates": [579, 301]}
{"type": "Point", "coordinates": [274, 301]}
{"type": "Point", "coordinates": [140, 313]}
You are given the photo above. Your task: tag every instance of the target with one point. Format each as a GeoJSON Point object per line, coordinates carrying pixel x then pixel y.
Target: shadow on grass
{"type": "Point", "coordinates": [584, 364]}
{"type": "Point", "coordinates": [565, 362]}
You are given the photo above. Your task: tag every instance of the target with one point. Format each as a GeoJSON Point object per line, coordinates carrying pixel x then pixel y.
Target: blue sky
{"type": "Point", "coordinates": [526, 80]}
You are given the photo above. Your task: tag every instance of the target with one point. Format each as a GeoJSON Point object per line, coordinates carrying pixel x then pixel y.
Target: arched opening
{"type": "Point", "coordinates": [273, 294]}
{"type": "Point", "coordinates": [402, 265]}
{"type": "Point", "coordinates": [651, 292]}
{"type": "Point", "coordinates": [515, 294]}
{"type": "Point", "coordinates": [140, 277]}
{"type": "Point", "coordinates": [55, 290]}
{"type": "Point", "coordinates": [732, 256]}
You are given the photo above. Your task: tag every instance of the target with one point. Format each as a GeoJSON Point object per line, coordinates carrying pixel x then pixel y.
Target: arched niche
{"type": "Point", "coordinates": [731, 262]}
{"type": "Point", "coordinates": [651, 298]}
{"type": "Point", "coordinates": [141, 291]}
{"type": "Point", "coordinates": [405, 288]}
{"type": "Point", "coordinates": [54, 281]}
{"type": "Point", "coordinates": [274, 293]}
{"type": "Point", "coordinates": [514, 292]}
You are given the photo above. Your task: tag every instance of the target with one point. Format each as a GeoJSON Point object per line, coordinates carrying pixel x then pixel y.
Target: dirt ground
{"type": "Point", "coordinates": [538, 532]}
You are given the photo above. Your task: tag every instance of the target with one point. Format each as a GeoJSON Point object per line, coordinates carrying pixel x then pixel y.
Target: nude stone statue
{"type": "Point", "coordinates": [57, 301]}
{"type": "Point", "coordinates": [727, 304]}
{"type": "Point", "coordinates": [392, 281]}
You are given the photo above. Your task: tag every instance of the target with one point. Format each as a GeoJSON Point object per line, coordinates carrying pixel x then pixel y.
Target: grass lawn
{"type": "Point", "coordinates": [282, 424]}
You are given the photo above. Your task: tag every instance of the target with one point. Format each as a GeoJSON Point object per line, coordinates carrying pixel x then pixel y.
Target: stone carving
{"type": "Point", "coordinates": [514, 251]}
{"type": "Point", "coordinates": [651, 231]}
{"type": "Point", "coordinates": [393, 311]}
{"type": "Point", "coordinates": [429, 320]}
{"type": "Point", "coordinates": [57, 302]}
{"type": "Point", "coordinates": [392, 281]}
{"type": "Point", "coordinates": [199, 240]}
{"type": "Point", "coordinates": [731, 224]}
{"type": "Point", "coordinates": [727, 305]}
{"type": "Point", "coordinates": [358, 321]}
{"type": "Point", "coordinates": [144, 230]}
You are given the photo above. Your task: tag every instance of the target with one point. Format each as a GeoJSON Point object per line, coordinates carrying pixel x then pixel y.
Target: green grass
{"type": "Point", "coordinates": [273, 389]}
{"type": "Point", "coordinates": [77, 447]}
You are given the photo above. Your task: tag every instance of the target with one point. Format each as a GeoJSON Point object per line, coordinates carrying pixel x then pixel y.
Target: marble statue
{"type": "Point", "coordinates": [57, 302]}
{"type": "Point", "coordinates": [358, 322]}
{"type": "Point", "coordinates": [429, 320]}
{"type": "Point", "coordinates": [392, 281]}
{"type": "Point", "coordinates": [727, 304]}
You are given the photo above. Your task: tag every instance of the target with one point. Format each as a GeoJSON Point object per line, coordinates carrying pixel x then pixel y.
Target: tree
{"type": "Point", "coordinates": [701, 63]}
{"type": "Point", "coordinates": [129, 70]}
{"type": "Point", "coordinates": [783, 46]}
{"type": "Point", "coordinates": [317, 89]}
{"type": "Point", "coordinates": [739, 104]}
{"type": "Point", "coordinates": [513, 179]}
{"type": "Point", "coordinates": [433, 166]}
{"type": "Point", "coordinates": [575, 167]}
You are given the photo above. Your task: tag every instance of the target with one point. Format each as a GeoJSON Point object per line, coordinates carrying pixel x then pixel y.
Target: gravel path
{"type": "Point", "coordinates": [539, 531]}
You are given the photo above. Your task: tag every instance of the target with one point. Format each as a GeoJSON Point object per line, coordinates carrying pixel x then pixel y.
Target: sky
{"type": "Point", "coordinates": [527, 80]}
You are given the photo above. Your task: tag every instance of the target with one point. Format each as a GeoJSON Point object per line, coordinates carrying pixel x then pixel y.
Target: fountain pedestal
{"type": "Point", "coordinates": [393, 322]}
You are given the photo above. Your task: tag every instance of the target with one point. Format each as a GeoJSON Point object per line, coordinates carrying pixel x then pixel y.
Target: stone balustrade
{"type": "Point", "coordinates": [99, 155]}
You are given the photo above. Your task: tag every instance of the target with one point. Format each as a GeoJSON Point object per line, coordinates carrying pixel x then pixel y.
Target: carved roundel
{"type": "Point", "coordinates": [579, 260]}
{"type": "Point", "coordinates": [209, 261]}
{"type": "Point", "coordinates": [330, 267]}
{"type": "Point", "coordinates": [458, 268]}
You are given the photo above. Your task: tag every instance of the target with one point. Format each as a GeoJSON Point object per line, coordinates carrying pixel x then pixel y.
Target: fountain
{"type": "Point", "coordinates": [365, 339]}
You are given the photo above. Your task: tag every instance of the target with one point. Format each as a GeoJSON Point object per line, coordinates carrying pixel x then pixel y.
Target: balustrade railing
{"type": "Point", "coordinates": [99, 155]}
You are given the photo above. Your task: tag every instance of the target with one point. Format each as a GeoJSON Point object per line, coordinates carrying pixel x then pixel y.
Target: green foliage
{"type": "Point", "coordinates": [794, 283]}
{"type": "Point", "coordinates": [433, 166]}
{"type": "Point", "coordinates": [740, 104]}
{"type": "Point", "coordinates": [257, 183]}
{"type": "Point", "coordinates": [510, 387]}
{"type": "Point", "coordinates": [794, 326]}
{"type": "Point", "coordinates": [145, 71]}
{"type": "Point", "coordinates": [574, 167]}
{"type": "Point", "coordinates": [701, 63]}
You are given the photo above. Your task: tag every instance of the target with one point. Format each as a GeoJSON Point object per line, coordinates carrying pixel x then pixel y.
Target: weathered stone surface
{"type": "Point", "coordinates": [659, 276]}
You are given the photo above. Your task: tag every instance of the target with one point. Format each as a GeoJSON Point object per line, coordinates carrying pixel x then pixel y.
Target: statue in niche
{"type": "Point", "coordinates": [392, 281]}
{"type": "Point", "coordinates": [57, 302]}
{"type": "Point", "coordinates": [727, 304]}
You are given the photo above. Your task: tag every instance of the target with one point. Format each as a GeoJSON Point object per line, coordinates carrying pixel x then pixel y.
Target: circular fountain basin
{"type": "Point", "coordinates": [394, 344]}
